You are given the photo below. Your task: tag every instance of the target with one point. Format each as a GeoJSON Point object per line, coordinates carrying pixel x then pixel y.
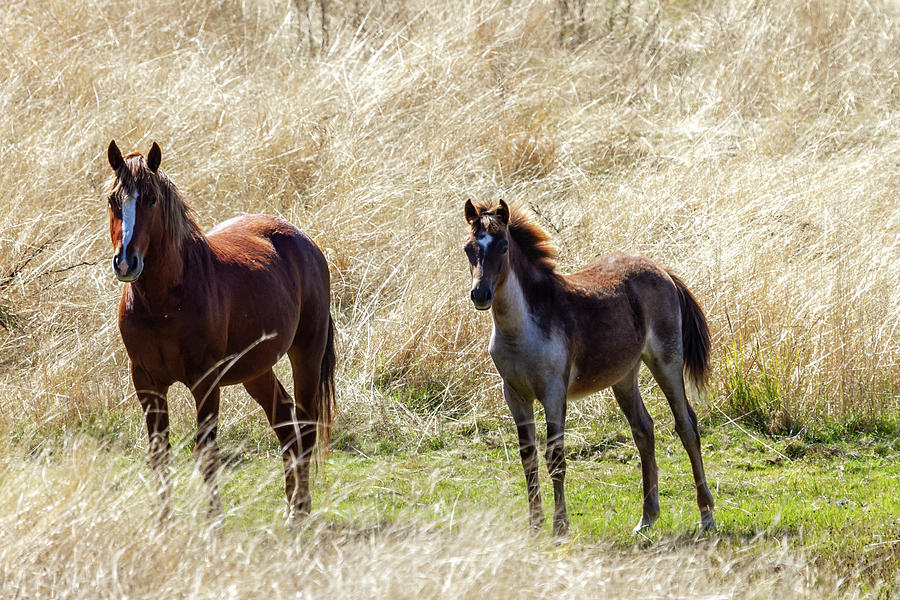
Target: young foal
{"type": "Point", "coordinates": [562, 336]}
{"type": "Point", "coordinates": [220, 309]}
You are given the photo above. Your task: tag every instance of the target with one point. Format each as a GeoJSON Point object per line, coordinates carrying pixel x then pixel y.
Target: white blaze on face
{"type": "Point", "coordinates": [484, 240]}
{"type": "Point", "coordinates": [129, 211]}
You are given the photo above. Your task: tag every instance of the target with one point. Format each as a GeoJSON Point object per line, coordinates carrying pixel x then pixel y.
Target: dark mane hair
{"type": "Point", "coordinates": [534, 243]}
{"type": "Point", "coordinates": [178, 216]}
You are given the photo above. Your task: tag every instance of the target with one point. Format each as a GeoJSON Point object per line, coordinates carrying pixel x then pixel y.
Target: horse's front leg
{"type": "Point", "coordinates": [152, 397]}
{"type": "Point", "coordinates": [523, 414]}
{"type": "Point", "coordinates": [206, 450]}
{"type": "Point", "coordinates": [554, 402]}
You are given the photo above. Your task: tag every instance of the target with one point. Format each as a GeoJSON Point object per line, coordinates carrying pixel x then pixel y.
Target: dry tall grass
{"type": "Point", "coordinates": [751, 146]}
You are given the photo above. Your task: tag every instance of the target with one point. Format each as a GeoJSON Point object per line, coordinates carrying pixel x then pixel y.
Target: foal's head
{"type": "Point", "coordinates": [142, 202]}
{"type": "Point", "coordinates": [488, 250]}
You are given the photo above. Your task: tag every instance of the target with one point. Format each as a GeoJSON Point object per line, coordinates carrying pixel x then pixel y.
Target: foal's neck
{"type": "Point", "coordinates": [510, 309]}
{"type": "Point", "coordinates": [526, 298]}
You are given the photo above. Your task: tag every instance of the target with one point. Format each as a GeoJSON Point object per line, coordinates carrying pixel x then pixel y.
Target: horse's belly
{"type": "Point", "coordinates": [255, 350]}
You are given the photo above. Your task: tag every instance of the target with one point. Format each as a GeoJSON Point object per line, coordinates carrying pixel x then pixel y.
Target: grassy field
{"type": "Point", "coordinates": [754, 147]}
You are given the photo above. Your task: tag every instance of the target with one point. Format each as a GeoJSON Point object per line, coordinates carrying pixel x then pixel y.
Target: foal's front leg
{"type": "Point", "coordinates": [554, 402]}
{"type": "Point", "coordinates": [523, 414]}
{"type": "Point", "coordinates": [156, 412]}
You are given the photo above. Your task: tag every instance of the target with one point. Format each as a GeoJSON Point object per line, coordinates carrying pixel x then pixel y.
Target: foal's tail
{"type": "Point", "coordinates": [694, 335]}
{"type": "Point", "coordinates": [325, 395]}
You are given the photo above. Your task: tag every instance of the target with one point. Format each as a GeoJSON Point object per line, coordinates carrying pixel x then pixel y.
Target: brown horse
{"type": "Point", "coordinates": [560, 336]}
{"type": "Point", "coordinates": [220, 309]}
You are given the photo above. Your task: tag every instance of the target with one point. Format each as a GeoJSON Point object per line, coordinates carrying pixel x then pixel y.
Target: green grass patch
{"type": "Point", "coordinates": [835, 503]}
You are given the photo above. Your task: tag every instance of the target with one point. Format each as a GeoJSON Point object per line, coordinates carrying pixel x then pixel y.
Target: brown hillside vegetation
{"type": "Point", "coordinates": [752, 147]}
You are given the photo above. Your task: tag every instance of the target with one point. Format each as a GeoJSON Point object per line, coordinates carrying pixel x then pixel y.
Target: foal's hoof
{"type": "Point", "coordinates": [707, 523]}
{"type": "Point", "coordinates": [535, 522]}
{"type": "Point", "coordinates": [643, 527]}
{"type": "Point", "coordinates": [561, 528]}
{"type": "Point", "coordinates": [295, 517]}
{"type": "Point", "coordinates": [644, 524]}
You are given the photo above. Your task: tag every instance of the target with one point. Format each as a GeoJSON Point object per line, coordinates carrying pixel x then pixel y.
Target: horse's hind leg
{"type": "Point", "coordinates": [629, 398]}
{"type": "Point", "coordinates": [279, 409]}
{"type": "Point", "coordinates": [206, 450]}
{"type": "Point", "coordinates": [668, 371]}
{"type": "Point", "coordinates": [306, 389]}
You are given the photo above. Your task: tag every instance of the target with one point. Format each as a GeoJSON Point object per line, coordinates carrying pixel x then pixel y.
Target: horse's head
{"type": "Point", "coordinates": [135, 218]}
{"type": "Point", "coordinates": [487, 248]}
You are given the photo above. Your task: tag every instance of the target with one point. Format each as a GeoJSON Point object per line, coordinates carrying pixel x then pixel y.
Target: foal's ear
{"type": "Point", "coordinates": [115, 156]}
{"type": "Point", "coordinates": [503, 212]}
{"type": "Point", "coordinates": [154, 157]}
{"type": "Point", "coordinates": [471, 212]}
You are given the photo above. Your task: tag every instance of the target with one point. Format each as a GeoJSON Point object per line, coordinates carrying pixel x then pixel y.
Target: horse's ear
{"type": "Point", "coordinates": [471, 212]}
{"type": "Point", "coordinates": [503, 212]}
{"type": "Point", "coordinates": [115, 156]}
{"type": "Point", "coordinates": [154, 157]}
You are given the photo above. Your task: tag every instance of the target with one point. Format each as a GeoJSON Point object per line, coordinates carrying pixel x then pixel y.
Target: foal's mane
{"type": "Point", "coordinates": [534, 243]}
{"type": "Point", "coordinates": [178, 217]}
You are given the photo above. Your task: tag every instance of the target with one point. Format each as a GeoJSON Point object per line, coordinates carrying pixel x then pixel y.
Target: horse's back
{"type": "Point", "coordinates": [275, 280]}
{"type": "Point", "coordinates": [255, 242]}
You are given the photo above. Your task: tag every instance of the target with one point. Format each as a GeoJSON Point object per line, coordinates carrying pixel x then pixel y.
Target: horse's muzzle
{"type": "Point", "coordinates": [128, 270]}
{"type": "Point", "coordinates": [482, 297]}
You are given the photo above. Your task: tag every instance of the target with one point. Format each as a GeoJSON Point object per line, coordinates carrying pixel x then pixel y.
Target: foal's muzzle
{"type": "Point", "coordinates": [482, 297]}
{"type": "Point", "coordinates": [127, 268]}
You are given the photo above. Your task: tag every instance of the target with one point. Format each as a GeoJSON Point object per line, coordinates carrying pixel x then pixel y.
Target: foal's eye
{"type": "Point", "coordinates": [503, 247]}
{"type": "Point", "coordinates": [153, 201]}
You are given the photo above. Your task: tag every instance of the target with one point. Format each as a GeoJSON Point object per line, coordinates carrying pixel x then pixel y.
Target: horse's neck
{"type": "Point", "coordinates": [164, 273]}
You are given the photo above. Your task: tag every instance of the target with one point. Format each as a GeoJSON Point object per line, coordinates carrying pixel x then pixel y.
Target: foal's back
{"type": "Point", "coordinates": [615, 303]}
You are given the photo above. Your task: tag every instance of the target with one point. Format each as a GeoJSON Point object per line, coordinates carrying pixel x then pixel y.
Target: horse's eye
{"type": "Point", "coordinates": [153, 201]}
{"type": "Point", "coordinates": [504, 246]}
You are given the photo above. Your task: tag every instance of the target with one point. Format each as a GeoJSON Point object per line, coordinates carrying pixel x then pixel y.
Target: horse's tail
{"type": "Point", "coordinates": [325, 393]}
{"type": "Point", "coordinates": [694, 335]}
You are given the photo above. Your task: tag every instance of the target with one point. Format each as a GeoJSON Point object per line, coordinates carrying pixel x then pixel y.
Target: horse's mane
{"type": "Point", "coordinates": [534, 243]}
{"type": "Point", "coordinates": [178, 216]}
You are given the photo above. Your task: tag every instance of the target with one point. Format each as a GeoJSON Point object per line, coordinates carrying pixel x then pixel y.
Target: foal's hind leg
{"type": "Point", "coordinates": [206, 450]}
{"type": "Point", "coordinates": [669, 374]}
{"type": "Point", "coordinates": [629, 398]}
{"type": "Point", "coordinates": [279, 409]}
